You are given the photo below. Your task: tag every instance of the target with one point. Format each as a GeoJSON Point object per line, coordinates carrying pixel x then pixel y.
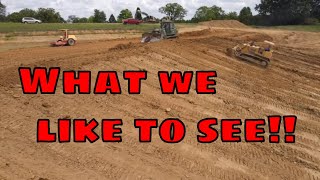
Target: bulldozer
{"type": "Point", "coordinates": [167, 30]}
{"type": "Point", "coordinates": [65, 40]}
{"type": "Point", "coordinates": [251, 52]}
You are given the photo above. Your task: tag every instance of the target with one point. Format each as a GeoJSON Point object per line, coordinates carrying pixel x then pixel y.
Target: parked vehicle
{"type": "Point", "coordinates": [31, 20]}
{"type": "Point", "coordinates": [131, 21]}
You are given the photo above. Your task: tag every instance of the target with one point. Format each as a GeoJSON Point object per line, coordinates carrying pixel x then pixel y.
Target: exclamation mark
{"type": "Point", "coordinates": [289, 128]}
{"type": "Point", "coordinates": [274, 128]}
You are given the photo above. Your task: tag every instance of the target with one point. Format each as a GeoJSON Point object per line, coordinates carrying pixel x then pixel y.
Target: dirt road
{"type": "Point", "coordinates": [290, 86]}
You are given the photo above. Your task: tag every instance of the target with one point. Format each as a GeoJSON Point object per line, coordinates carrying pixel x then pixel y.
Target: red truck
{"type": "Point", "coordinates": [131, 21]}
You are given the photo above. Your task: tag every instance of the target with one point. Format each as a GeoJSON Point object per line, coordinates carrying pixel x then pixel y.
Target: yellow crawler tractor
{"type": "Point", "coordinates": [253, 53]}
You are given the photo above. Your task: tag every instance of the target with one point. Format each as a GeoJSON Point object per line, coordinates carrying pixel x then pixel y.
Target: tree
{"type": "Point", "coordinates": [27, 13]}
{"type": "Point", "coordinates": [287, 12]}
{"type": "Point", "coordinates": [2, 12]}
{"type": "Point", "coordinates": [232, 15]}
{"type": "Point", "coordinates": [90, 19]}
{"type": "Point", "coordinates": [17, 16]}
{"type": "Point", "coordinates": [75, 19]}
{"type": "Point", "coordinates": [49, 15]}
{"type": "Point", "coordinates": [124, 14]}
{"type": "Point", "coordinates": [174, 11]}
{"type": "Point", "coordinates": [112, 19]}
{"type": "Point", "coordinates": [245, 15]}
{"type": "Point", "coordinates": [205, 13]}
{"type": "Point", "coordinates": [99, 16]}
{"type": "Point", "coordinates": [72, 19]}
{"type": "Point", "coordinates": [46, 15]}
{"type": "Point", "coordinates": [14, 17]}
{"type": "Point", "coordinates": [138, 14]}
{"type": "Point", "coordinates": [83, 20]}
{"type": "Point", "coordinates": [315, 9]}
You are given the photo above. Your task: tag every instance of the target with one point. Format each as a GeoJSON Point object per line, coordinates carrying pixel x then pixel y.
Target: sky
{"type": "Point", "coordinates": [85, 8]}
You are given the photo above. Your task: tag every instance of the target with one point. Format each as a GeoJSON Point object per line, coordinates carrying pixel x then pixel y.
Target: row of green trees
{"type": "Point", "coordinates": [2, 12]}
{"type": "Point", "coordinates": [270, 12]}
{"type": "Point", "coordinates": [100, 17]}
{"type": "Point", "coordinates": [284, 12]}
{"type": "Point", "coordinates": [47, 15]}
{"type": "Point", "coordinates": [206, 13]}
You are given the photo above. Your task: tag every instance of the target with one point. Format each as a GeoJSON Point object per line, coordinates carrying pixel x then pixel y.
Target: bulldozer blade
{"type": "Point", "coordinates": [230, 52]}
{"type": "Point", "coordinates": [148, 39]}
{"type": "Point", "coordinates": [151, 37]}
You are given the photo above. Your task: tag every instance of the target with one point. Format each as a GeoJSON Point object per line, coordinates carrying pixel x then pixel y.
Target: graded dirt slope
{"type": "Point", "coordinates": [224, 24]}
{"type": "Point", "coordinates": [290, 86]}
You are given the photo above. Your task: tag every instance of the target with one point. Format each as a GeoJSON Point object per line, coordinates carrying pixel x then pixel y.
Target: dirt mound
{"type": "Point", "coordinates": [197, 33]}
{"type": "Point", "coordinates": [123, 47]}
{"type": "Point", "coordinates": [237, 35]}
{"type": "Point", "coordinates": [224, 24]}
{"type": "Point", "coordinates": [258, 37]}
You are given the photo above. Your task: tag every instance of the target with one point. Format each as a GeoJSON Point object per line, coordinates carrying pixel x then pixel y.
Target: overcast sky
{"type": "Point", "coordinates": [84, 8]}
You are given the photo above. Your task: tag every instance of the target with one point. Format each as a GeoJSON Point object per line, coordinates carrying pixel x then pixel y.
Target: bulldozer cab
{"type": "Point", "coordinates": [168, 28]}
{"type": "Point", "coordinates": [268, 45]}
{"type": "Point", "coordinates": [267, 49]}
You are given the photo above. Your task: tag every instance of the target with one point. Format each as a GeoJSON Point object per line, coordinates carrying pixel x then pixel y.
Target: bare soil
{"type": "Point", "coordinates": [290, 86]}
{"type": "Point", "coordinates": [224, 24]}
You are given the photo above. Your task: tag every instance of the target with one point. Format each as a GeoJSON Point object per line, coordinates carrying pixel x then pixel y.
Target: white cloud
{"type": "Point", "coordinates": [84, 8]}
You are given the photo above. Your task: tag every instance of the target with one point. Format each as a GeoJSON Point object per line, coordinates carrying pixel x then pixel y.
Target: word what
{"type": "Point", "coordinates": [108, 81]}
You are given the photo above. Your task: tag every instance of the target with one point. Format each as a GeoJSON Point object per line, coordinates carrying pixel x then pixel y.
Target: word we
{"type": "Point", "coordinates": [108, 81]}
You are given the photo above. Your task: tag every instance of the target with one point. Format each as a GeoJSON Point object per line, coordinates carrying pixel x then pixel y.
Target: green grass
{"type": "Point", "coordinates": [310, 28]}
{"type": "Point", "coordinates": [23, 28]}
{"type": "Point", "coordinates": [19, 27]}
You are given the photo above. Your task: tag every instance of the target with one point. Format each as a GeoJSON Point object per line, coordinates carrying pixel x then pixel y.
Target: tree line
{"type": "Point", "coordinates": [270, 12]}
{"type": "Point", "coordinates": [100, 17]}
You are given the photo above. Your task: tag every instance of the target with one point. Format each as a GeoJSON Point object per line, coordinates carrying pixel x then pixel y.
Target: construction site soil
{"type": "Point", "coordinates": [224, 24]}
{"type": "Point", "coordinates": [290, 86]}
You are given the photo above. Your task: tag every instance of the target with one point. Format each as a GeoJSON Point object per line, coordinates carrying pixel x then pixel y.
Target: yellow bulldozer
{"type": "Point", "coordinates": [251, 52]}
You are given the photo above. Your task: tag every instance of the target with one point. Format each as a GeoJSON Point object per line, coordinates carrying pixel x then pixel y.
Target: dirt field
{"type": "Point", "coordinates": [290, 86]}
